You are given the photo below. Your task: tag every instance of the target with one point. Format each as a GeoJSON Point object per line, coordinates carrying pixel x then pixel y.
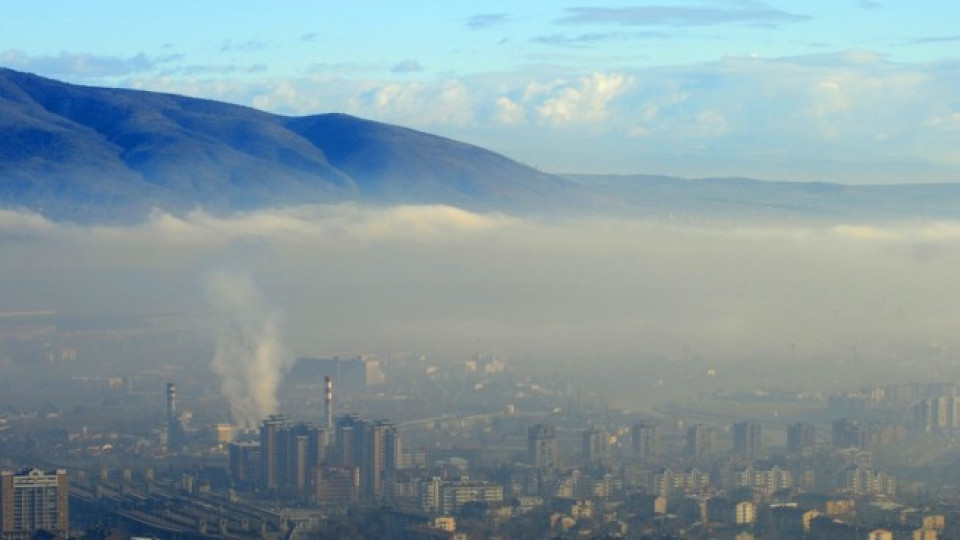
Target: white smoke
{"type": "Point", "coordinates": [249, 358]}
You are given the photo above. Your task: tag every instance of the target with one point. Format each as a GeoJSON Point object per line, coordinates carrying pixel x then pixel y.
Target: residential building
{"type": "Point", "coordinates": [32, 500]}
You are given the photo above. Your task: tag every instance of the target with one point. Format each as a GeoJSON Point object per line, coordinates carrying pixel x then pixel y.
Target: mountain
{"type": "Point", "coordinates": [745, 199]}
{"type": "Point", "coordinates": [75, 152]}
{"type": "Point", "coordinates": [104, 154]}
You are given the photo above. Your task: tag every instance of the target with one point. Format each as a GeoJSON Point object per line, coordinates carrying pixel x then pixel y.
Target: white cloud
{"type": "Point", "coordinates": [83, 65]}
{"type": "Point", "coordinates": [584, 102]}
{"type": "Point", "coordinates": [863, 232]}
{"type": "Point", "coordinates": [23, 222]}
{"type": "Point", "coordinates": [762, 116]}
{"type": "Point", "coordinates": [343, 222]}
{"type": "Point", "coordinates": [508, 111]}
{"type": "Point", "coordinates": [278, 95]}
{"type": "Point", "coordinates": [446, 102]}
{"type": "Point", "coordinates": [712, 123]}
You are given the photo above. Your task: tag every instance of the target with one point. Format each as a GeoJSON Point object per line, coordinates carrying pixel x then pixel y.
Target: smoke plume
{"type": "Point", "coordinates": [249, 358]}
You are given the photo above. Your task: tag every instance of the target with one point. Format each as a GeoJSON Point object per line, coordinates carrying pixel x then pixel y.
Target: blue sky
{"type": "Point", "coordinates": [850, 91]}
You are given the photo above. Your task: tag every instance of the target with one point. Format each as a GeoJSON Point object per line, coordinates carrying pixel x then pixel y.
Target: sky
{"type": "Point", "coordinates": [854, 91]}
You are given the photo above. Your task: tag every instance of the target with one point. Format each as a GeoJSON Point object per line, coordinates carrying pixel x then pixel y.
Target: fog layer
{"type": "Point", "coordinates": [442, 280]}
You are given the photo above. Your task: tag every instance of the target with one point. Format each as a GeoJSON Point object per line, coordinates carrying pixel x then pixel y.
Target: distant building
{"type": "Point", "coordinates": [669, 482]}
{"type": "Point", "coordinates": [373, 447]}
{"type": "Point", "coordinates": [848, 434]}
{"type": "Point", "coordinates": [697, 441]}
{"type": "Point", "coordinates": [349, 375]}
{"type": "Point", "coordinates": [596, 448]}
{"type": "Point", "coordinates": [336, 485]}
{"type": "Point", "coordinates": [745, 513]}
{"type": "Point", "coordinates": [937, 415]}
{"type": "Point", "coordinates": [289, 454]}
{"type": "Point", "coordinates": [766, 481]}
{"type": "Point", "coordinates": [861, 480]}
{"type": "Point", "coordinates": [645, 441]}
{"type": "Point", "coordinates": [454, 495]}
{"type": "Point", "coordinates": [489, 364]}
{"type": "Point", "coordinates": [428, 493]}
{"type": "Point", "coordinates": [380, 446]}
{"type": "Point", "coordinates": [245, 463]}
{"type": "Point", "coordinates": [801, 436]}
{"type": "Point", "coordinates": [542, 449]}
{"type": "Point", "coordinates": [731, 512]}
{"type": "Point", "coordinates": [271, 453]}
{"type": "Point", "coordinates": [225, 433]}
{"type": "Point", "coordinates": [746, 439]}
{"type": "Point", "coordinates": [32, 500]}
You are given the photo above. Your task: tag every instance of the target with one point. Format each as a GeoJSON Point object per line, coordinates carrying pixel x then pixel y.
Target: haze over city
{"type": "Point", "coordinates": [461, 270]}
{"type": "Point", "coordinates": [441, 279]}
{"type": "Point", "coordinates": [764, 90]}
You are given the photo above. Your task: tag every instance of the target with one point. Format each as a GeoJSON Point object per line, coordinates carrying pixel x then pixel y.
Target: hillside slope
{"type": "Point", "coordinates": [91, 153]}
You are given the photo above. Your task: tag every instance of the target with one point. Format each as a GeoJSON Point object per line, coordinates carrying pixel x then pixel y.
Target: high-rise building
{"type": "Point", "coordinates": [32, 500]}
{"type": "Point", "coordinates": [245, 463]}
{"type": "Point", "coordinates": [305, 446]}
{"type": "Point", "coordinates": [428, 492]}
{"type": "Point", "coordinates": [373, 375]}
{"type": "Point", "coordinates": [272, 452]}
{"type": "Point", "coordinates": [298, 464]}
{"type": "Point", "coordinates": [937, 414]}
{"type": "Point", "coordinates": [289, 454]}
{"type": "Point", "coordinates": [292, 456]}
{"type": "Point", "coordinates": [800, 436]}
{"type": "Point", "coordinates": [645, 441]}
{"type": "Point", "coordinates": [697, 441]}
{"type": "Point", "coordinates": [746, 439]}
{"type": "Point", "coordinates": [373, 447]}
{"type": "Point", "coordinates": [380, 448]}
{"type": "Point", "coordinates": [596, 448]}
{"type": "Point", "coordinates": [542, 446]}
{"type": "Point", "coordinates": [349, 431]}
{"type": "Point", "coordinates": [848, 433]}
{"type": "Point", "coordinates": [393, 449]}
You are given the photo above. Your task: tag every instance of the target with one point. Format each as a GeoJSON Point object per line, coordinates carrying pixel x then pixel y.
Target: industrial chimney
{"type": "Point", "coordinates": [173, 425]}
{"type": "Point", "coordinates": [329, 401]}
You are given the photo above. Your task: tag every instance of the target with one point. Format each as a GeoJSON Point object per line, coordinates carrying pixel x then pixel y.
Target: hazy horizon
{"type": "Point", "coordinates": [857, 92]}
{"type": "Point", "coordinates": [351, 278]}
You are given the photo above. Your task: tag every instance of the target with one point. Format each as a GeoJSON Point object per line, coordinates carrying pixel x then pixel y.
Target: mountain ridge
{"type": "Point", "coordinates": [69, 150]}
{"type": "Point", "coordinates": [84, 153]}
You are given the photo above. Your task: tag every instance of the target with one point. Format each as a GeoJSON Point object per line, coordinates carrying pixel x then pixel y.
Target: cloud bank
{"type": "Point", "coordinates": [446, 281]}
{"type": "Point", "coordinates": [849, 116]}
{"type": "Point", "coordinates": [843, 116]}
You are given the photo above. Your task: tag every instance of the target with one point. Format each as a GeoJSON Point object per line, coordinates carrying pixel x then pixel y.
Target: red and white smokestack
{"type": "Point", "coordinates": [329, 381]}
